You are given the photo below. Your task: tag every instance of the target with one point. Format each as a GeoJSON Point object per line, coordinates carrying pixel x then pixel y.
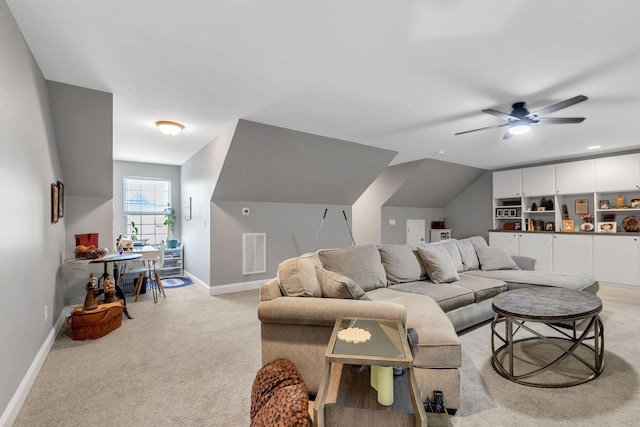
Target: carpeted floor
{"type": "Point", "coordinates": [190, 361]}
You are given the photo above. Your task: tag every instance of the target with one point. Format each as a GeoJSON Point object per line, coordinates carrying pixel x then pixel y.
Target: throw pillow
{"type": "Point", "coordinates": [496, 259]}
{"type": "Point", "coordinates": [335, 285]}
{"type": "Point", "coordinates": [452, 248]}
{"type": "Point", "coordinates": [297, 278]}
{"type": "Point", "coordinates": [362, 264]}
{"type": "Point", "coordinates": [468, 255]}
{"type": "Point", "coordinates": [401, 264]}
{"type": "Point", "coordinates": [440, 267]}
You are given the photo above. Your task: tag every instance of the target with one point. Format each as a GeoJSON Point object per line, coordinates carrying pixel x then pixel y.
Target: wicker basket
{"type": "Point", "coordinates": [94, 324]}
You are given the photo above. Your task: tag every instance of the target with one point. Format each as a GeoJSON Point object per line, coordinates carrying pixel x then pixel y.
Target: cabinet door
{"type": "Point", "coordinates": [506, 184]}
{"type": "Point", "coordinates": [538, 181]}
{"type": "Point", "coordinates": [575, 177]}
{"type": "Point", "coordinates": [507, 241]}
{"type": "Point", "coordinates": [618, 173]}
{"type": "Point", "coordinates": [572, 254]}
{"type": "Point", "coordinates": [538, 246]}
{"type": "Point", "coordinates": [616, 259]}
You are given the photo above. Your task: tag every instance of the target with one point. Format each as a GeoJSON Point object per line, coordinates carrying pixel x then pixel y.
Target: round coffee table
{"type": "Point", "coordinates": [573, 315]}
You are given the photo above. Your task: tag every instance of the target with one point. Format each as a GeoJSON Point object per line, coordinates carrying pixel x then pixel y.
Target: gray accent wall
{"type": "Point", "coordinates": [30, 276]}
{"type": "Point", "coordinates": [470, 212]}
{"type": "Point", "coordinates": [272, 164]}
{"type": "Point", "coordinates": [397, 233]}
{"type": "Point", "coordinates": [291, 230]}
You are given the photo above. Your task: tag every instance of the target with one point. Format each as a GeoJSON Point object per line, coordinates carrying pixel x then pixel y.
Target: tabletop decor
{"type": "Point", "coordinates": [354, 335]}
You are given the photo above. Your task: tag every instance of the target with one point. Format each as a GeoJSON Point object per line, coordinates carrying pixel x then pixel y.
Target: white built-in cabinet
{"type": "Point", "coordinates": [523, 230]}
{"type": "Point", "coordinates": [575, 177]}
{"type": "Point", "coordinates": [538, 181]}
{"type": "Point", "coordinates": [615, 259]}
{"type": "Point", "coordinates": [618, 173]}
{"type": "Point", "coordinates": [506, 184]}
{"type": "Point", "coordinates": [526, 244]}
{"type": "Point", "coordinates": [572, 254]}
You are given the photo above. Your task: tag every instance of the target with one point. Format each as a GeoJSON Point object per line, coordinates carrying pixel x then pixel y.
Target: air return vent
{"type": "Point", "coordinates": [254, 253]}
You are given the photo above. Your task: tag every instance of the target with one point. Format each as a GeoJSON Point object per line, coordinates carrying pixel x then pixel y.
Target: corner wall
{"type": "Point", "coordinates": [469, 213]}
{"type": "Point", "coordinates": [30, 269]}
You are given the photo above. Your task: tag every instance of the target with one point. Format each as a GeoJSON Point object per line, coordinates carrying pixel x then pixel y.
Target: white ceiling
{"type": "Point", "coordinates": [403, 76]}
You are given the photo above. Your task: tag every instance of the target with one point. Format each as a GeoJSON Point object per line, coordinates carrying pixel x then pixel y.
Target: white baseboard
{"type": "Point", "coordinates": [196, 280]}
{"type": "Point", "coordinates": [235, 287]}
{"type": "Point", "coordinates": [11, 412]}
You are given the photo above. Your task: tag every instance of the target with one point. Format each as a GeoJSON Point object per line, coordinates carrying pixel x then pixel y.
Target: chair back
{"type": "Point", "coordinates": [161, 257]}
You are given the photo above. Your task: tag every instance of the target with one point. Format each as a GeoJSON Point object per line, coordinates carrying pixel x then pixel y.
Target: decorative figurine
{"type": "Point", "coordinates": [549, 205]}
{"type": "Point", "coordinates": [534, 207]}
{"type": "Point", "coordinates": [109, 289]}
{"type": "Point", "coordinates": [543, 203]}
{"type": "Point", "coordinates": [90, 302]}
{"type": "Point", "coordinates": [565, 212]}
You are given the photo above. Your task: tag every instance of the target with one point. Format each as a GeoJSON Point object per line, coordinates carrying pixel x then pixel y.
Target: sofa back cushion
{"type": "Point", "coordinates": [401, 264]}
{"type": "Point", "coordinates": [439, 264]}
{"type": "Point", "coordinates": [496, 259]}
{"type": "Point", "coordinates": [468, 254]}
{"type": "Point", "coordinates": [335, 285]}
{"type": "Point", "coordinates": [362, 264]}
{"type": "Point", "coordinates": [451, 248]}
{"type": "Point", "coordinates": [297, 278]}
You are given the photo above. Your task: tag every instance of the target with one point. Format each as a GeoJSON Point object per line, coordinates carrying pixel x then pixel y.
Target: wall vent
{"type": "Point", "coordinates": [254, 253]}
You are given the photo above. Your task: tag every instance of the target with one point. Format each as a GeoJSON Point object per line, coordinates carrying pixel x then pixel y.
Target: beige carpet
{"type": "Point", "coordinates": [190, 361]}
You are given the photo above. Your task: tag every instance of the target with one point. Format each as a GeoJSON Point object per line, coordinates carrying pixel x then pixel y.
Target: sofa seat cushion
{"type": "Point", "coordinates": [483, 288]}
{"type": "Point", "coordinates": [517, 279]}
{"type": "Point", "coordinates": [362, 264]}
{"type": "Point", "coordinates": [448, 296]}
{"type": "Point", "coordinates": [433, 340]}
{"type": "Point", "coordinates": [401, 263]}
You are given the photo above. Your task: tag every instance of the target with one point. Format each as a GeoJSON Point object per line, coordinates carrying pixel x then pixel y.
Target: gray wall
{"type": "Point", "coordinates": [291, 230]}
{"type": "Point", "coordinates": [30, 269]}
{"type": "Point", "coordinates": [470, 213]}
{"type": "Point", "coordinates": [146, 170]}
{"type": "Point", "coordinates": [398, 233]}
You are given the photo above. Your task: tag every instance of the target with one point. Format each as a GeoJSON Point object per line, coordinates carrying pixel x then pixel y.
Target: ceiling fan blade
{"type": "Point", "coordinates": [558, 106]}
{"type": "Point", "coordinates": [558, 120]}
{"type": "Point", "coordinates": [500, 114]}
{"type": "Point", "coordinates": [488, 127]}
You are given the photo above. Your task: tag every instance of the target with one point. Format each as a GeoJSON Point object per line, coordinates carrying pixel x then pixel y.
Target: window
{"type": "Point", "coordinates": [145, 200]}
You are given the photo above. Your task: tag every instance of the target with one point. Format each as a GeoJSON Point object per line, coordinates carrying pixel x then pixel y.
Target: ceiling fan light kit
{"type": "Point", "coordinates": [520, 119]}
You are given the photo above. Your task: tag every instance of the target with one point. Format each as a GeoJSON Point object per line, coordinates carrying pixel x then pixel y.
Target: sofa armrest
{"type": "Point", "coordinates": [524, 262]}
{"type": "Point", "coordinates": [325, 311]}
{"type": "Point", "coordinates": [270, 290]}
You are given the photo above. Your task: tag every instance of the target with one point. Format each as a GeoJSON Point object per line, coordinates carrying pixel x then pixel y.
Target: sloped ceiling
{"type": "Point", "coordinates": [432, 183]}
{"type": "Point", "coordinates": [272, 164]}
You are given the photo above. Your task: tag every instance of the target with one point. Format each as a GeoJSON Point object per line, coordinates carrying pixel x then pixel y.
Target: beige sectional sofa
{"type": "Point", "coordinates": [436, 290]}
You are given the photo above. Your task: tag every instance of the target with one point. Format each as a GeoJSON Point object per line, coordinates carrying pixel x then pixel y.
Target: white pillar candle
{"type": "Point", "coordinates": [383, 376]}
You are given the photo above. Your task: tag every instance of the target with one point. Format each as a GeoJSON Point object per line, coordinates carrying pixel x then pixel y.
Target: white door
{"type": "Point", "coordinates": [415, 231]}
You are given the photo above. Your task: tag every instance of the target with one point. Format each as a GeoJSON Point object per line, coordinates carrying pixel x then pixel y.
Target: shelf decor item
{"type": "Point", "coordinates": [606, 227]}
{"type": "Point", "coordinates": [604, 204]}
{"type": "Point", "coordinates": [567, 225]}
{"type": "Point", "coordinates": [631, 223]}
{"type": "Point", "coordinates": [582, 207]}
{"type": "Point", "coordinates": [587, 226]}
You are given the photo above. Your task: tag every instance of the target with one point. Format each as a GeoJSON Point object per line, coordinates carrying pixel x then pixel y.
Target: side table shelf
{"type": "Point", "coordinates": [173, 262]}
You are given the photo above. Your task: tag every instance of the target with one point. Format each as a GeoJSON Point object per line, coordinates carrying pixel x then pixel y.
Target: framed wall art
{"type": "Point", "coordinates": [582, 207]}
{"type": "Point", "coordinates": [60, 199]}
{"type": "Point", "coordinates": [54, 203]}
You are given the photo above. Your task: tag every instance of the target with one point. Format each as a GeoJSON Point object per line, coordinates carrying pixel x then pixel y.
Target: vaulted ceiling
{"type": "Point", "coordinates": [403, 76]}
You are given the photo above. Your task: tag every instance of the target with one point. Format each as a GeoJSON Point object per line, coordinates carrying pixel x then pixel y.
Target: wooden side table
{"type": "Point", "coordinates": [346, 397]}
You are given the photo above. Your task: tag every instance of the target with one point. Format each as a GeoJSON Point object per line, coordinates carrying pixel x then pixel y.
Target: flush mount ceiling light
{"type": "Point", "coordinates": [518, 128]}
{"type": "Point", "coordinates": [169, 128]}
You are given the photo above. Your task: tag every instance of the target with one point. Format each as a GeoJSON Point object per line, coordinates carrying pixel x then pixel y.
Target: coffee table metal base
{"type": "Point", "coordinates": [592, 332]}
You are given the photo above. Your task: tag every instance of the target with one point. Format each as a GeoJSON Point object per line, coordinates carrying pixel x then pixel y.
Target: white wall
{"type": "Point", "coordinates": [398, 233]}
{"type": "Point", "coordinates": [30, 276]}
{"type": "Point", "coordinates": [470, 213]}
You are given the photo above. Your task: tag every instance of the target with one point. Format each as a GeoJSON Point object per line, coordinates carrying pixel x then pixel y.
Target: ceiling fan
{"type": "Point", "coordinates": [521, 119]}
